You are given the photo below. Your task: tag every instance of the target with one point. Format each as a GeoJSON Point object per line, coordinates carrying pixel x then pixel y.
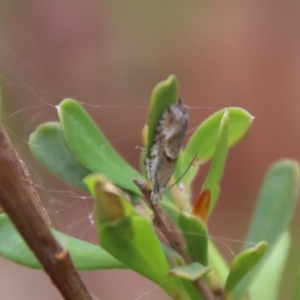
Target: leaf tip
{"type": "Point", "coordinates": [145, 135]}
{"type": "Point", "coordinates": [201, 206]}
{"type": "Point", "coordinates": [110, 200]}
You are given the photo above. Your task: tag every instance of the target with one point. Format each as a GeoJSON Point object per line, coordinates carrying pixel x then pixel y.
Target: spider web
{"type": "Point", "coordinates": [70, 209]}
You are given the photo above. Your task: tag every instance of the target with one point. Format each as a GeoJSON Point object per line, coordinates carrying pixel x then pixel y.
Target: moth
{"type": "Point", "coordinates": [164, 153]}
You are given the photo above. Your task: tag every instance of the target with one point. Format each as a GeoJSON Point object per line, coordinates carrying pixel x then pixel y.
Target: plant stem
{"type": "Point", "coordinates": [162, 222]}
{"type": "Point", "coordinates": [20, 201]}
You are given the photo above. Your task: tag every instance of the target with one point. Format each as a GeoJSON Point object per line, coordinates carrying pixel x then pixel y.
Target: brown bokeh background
{"type": "Point", "coordinates": [110, 54]}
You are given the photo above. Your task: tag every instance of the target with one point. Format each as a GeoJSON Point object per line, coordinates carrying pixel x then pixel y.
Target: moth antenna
{"type": "Point", "coordinates": [184, 171]}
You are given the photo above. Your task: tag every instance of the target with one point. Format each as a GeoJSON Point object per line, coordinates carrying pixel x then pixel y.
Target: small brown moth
{"type": "Point", "coordinates": [166, 148]}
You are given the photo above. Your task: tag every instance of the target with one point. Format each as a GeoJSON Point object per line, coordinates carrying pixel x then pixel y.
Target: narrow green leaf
{"type": "Point", "coordinates": [132, 240]}
{"type": "Point", "coordinates": [242, 264]}
{"type": "Point", "coordinates": [85, 256]}
{"type": "Point", "coordinates": [273, 212]}
{"type": "Point", "coordinates": [203, 141]}
{"type": "Point", "coordinates": [271, 273]}
{"type": "Point", "coordinates": [124, 233]}
{"type": "Point", "coordinates": [49, 147]}
{"type": "Point", "coordinates": [189, 288]}
{"type": "Point", "coordinates": [217, 262]}
{"type": "Point", "coordinates": [195, 235]}
{"type": "Point", "coordinates": [216, 169]}
{"type": "Point", "coordinates": [163, 95]}
{"type": "Point", "coordinates": [191, 272]}
{"type": "Point", "coordinates": [276, 202]}
{"type": "Point", "coordinates": [91, 147]}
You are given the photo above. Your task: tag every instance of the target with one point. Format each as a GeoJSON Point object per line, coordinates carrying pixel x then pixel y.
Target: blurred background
{"type": "Point", "coordinates": [109, 55]}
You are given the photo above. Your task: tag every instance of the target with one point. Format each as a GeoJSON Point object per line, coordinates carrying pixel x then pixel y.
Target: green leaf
{"type": "Point", "coordinates": [276, 202]}
{"type": "Point", "coordinates": [110, 201]}
{"type": "Point", "coordinates": [204, 139]}
{"type": "Point", "coordinates": [218, 162]}
{"type": "Point", "coordinates": [217, 262]}
{"type": "Point", "coordinates": [270, 275]}
{"type": "Point", "coordinates": [195, 235]}
{"type": "Point", "coordinates": [49, 147]}
{"type": "Point", "coordinates": [242, 264]}
{"type": "Point", "coordinates": [170, 209]}
{"type": "Point", "coordinates": [132, 240]}
{"type": "Point", "coordinates": [91, 147]}
{"type": "Point", "coordinates": [273, 212]}
{"type": "Point", "coordinates": [192, 272]}
{"type": "Point", "coordinates": [85, 256]}
{"type": "Point", "coordinates": [124, 233]}
{"type": "Point", "coordinates": [163, 95]}
{"type": "Point", "coordinates": [191, 291]}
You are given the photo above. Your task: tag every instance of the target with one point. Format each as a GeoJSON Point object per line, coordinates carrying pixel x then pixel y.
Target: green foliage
{"type": "Point", "coordinates": [76, 151]}
{"type": "Point", "coordinates": [49, 147]}
{"type": "Point", "coordinates": [124, 233]}
{"type": "Point", "coordinates": [91, 148]}
{"type": "Point", "coordinates": [218, 263]}
{"type": "Point", "coordinates": [276, 203]}
{"type": "Point", "coordinates": [202, 144]}
{"type": "Point", "coordinates": [85, 256]}
{"type": "Point", "coordinates": [191, 272]}
{"type": "Point", "coordinates": [195, 235]}
{"type": "Point", "coordinates": [204, 139]}
{"type": "Point", "coordinates": [242, 264]}
{"type": "Point", "coordinates": [217, 165]}
{"type": "Point", "coordinates": [271, 273]}
{"type": "Point", "coordinates": [128, 236]}
{"type": "Point", "coordinates": [163, 95]}
{"type": "Point", "coordinates": [273, 212]}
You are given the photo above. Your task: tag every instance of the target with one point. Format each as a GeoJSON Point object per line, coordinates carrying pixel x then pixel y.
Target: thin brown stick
{"type": "Point", "coordinates": [162, 222]}
{"type": "Point", "coordinates": [19, 200]}
{"type": "Point", "coordinates": [36, 200]}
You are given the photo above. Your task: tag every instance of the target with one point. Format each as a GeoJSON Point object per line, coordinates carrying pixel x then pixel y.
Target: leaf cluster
{"type": "Point", "coordinates": [75, 150]}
